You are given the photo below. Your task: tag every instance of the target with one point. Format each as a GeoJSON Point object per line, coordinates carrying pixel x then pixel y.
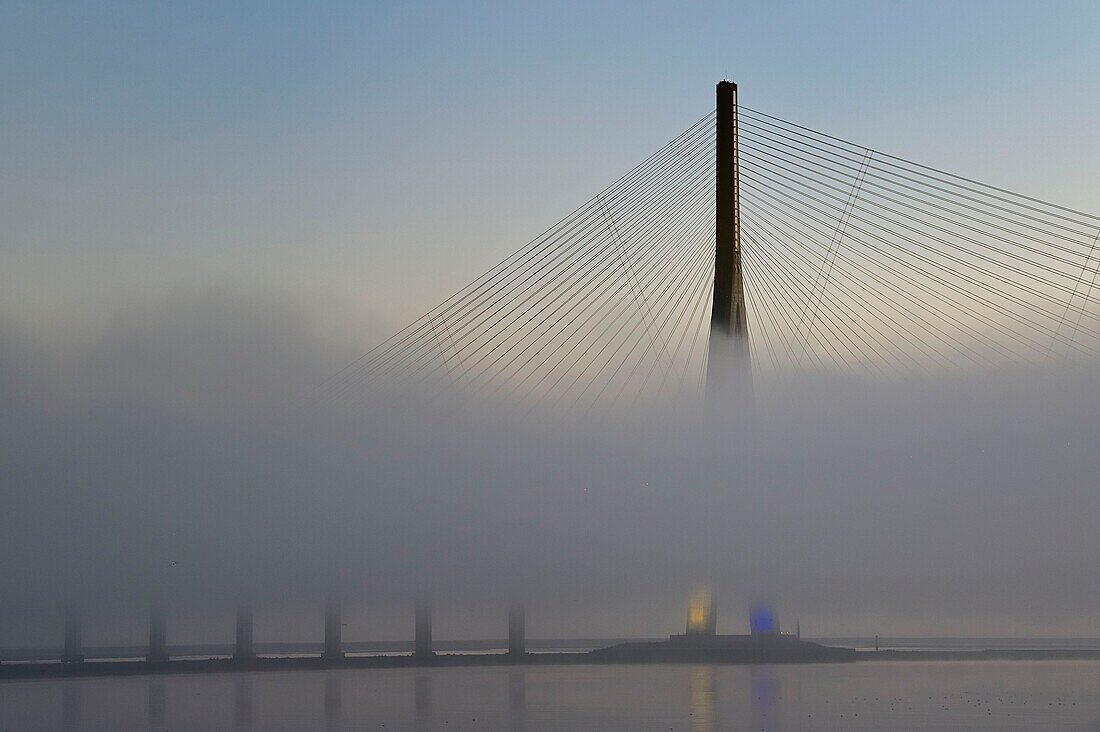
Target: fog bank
{"type": "Point", "coordinates": [191, 451]}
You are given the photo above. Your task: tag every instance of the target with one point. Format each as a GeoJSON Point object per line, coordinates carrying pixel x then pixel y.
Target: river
{"type": "Point", "coordinates": [923, 695]}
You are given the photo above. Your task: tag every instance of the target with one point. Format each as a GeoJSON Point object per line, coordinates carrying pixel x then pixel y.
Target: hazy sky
{"type": "Point", "coordinates": [371, 158]}
{"type": "Point", "coordinates": [206, 207]}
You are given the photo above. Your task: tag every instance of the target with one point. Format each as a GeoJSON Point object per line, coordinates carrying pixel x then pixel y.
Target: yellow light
{"type": "Point", "coordinates": [701, 612]}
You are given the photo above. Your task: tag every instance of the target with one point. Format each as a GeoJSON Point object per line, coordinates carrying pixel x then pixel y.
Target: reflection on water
{"type": "Point", "coordinates": [764, 696]}
{"type": "Point", "coordinates": [704, 700]}
{"type": "Point", "coordinates": [332, 702]}
{"type": "Point", "coordinates": [242, 707]}
{"type": "Point", "coordinates": [70, 705]}
{"type": "Point", "coordinates": [423, 700]}
{"type": "Point", "coordinates": [517, 698]}
{"type": "Point", "coordinates": [156, 703]}
{"type": "Point", "coordinates": [977, 696]}
{"type": "Point", "coordinates": [764, 687]}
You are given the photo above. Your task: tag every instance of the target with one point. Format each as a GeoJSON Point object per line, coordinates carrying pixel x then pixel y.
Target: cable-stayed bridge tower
{"type": "Point", "coordinates": [728, 358]}
{"type": "Point", "coordinates": [851, 260]}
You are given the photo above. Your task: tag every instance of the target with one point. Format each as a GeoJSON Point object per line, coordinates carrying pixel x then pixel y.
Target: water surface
{"type": "Point", "coordinates": [956, 695]}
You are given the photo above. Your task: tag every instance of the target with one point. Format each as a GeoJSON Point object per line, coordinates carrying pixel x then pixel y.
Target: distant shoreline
{"type": "Point", "coordinates": [202, 651]}
{"type": "Point", "coordinates": [108, 668]}
{"type": "Point", "coordinates": [988, 654]}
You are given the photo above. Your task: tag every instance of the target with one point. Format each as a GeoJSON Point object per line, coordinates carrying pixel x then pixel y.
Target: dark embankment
{"type": "Point", "coordinates": [724, 649]}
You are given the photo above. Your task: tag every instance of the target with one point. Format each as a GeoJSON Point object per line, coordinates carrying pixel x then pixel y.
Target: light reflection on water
{"type": "Point", "coordinates": [704, 700]}
{"type": "Point", "coordinates": [978, 696]}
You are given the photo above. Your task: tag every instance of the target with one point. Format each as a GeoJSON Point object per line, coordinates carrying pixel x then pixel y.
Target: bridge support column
{"type": "Point", "coordinates": [728, 367]}
{"type": "Point", "coordinates": [423, 644]}
{"type": "Point", "coordinates": [244, 650]}
{"type": "Point", "coordinates": [158, 636]}
{"type": "Point", "coordinates": [333, 636]}
{"type": "Point", "coordinates": [73, 651]}
{"type": "Point", "coordinates": [517, 634]}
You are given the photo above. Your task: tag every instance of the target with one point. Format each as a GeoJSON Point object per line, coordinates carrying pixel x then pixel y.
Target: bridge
{"type": "Point", "coordinates": [806, 252]}
{"type": "Point", "coordinates": [747, 251]}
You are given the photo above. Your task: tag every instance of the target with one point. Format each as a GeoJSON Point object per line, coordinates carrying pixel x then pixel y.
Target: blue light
{"type": "Point", "coordinates": [762, 620]}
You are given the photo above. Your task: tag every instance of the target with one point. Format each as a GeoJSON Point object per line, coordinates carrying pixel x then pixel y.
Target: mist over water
{"type": "Point", "coordinates": [191, 452]}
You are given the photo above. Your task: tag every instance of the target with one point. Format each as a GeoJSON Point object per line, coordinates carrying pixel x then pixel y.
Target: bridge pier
{"type": "Point", "coordinates": [728, 365]}
{"type": "Point", "coordinates": [333, 631]}
{"type": "Point", "coordinates": [158, 636]}
{"type": "Point", "coordinates": [517, 634]}
{"type": "Point", "coordinates": [244, 650]}
{"type": "Point", "coordinates": [422, 647]}
{"type": "Point", "coordinates": [73, 651]}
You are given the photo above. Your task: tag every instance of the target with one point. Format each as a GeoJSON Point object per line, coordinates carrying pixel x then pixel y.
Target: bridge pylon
{"type": "Point", "coordinates": [728, 366]}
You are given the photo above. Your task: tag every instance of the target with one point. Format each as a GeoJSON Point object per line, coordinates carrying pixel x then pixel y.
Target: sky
{"type": "Point", "coordinates": [208, 207]}
{"type": "Point", "coordinates": [371, 158]}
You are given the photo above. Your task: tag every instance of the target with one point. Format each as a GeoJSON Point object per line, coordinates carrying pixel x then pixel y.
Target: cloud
{"type": "Point", "coordinates": [187, 450]}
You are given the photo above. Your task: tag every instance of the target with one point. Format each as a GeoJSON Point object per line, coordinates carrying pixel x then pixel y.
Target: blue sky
{"type": "Point", "coordinates": [370, 158]}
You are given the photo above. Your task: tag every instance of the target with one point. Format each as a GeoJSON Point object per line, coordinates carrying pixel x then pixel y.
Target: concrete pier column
{"type": "Point", "coordinates": [74, 642]}
{"type": "Point", "coordinates": [333, 636]}
{"type": "Point", "coordinates": [244, 650]}
{"type": "Point", "coordinates": [158, 636]}
{"type": "Point", "coordinates": [423, 645]}
{"type": "Point", "coordinates": [517, 634]}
